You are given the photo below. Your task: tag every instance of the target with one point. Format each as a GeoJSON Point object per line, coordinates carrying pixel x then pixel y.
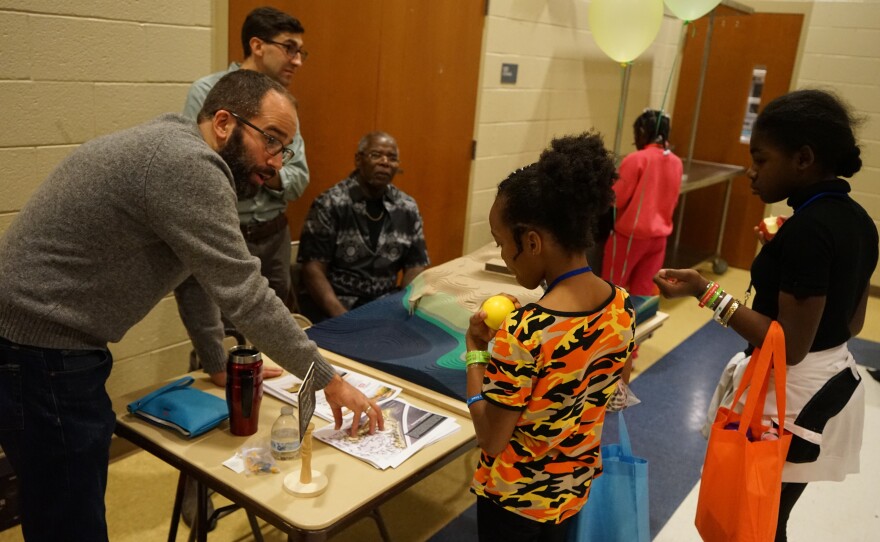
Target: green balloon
{"type": "Point", "coordinates": [623, 29]}
{"type": "Point", "coordinates": [690, 10]}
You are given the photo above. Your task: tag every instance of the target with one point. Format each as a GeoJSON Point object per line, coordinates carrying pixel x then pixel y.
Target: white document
{"type": "Point", "coordinates": [408, 429]}
{"type": "Point", "coordinates": [287, 387]}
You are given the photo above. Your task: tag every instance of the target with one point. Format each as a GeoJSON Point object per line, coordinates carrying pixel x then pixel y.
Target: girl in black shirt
{"type": "Point", "coordinates": [812, 277]}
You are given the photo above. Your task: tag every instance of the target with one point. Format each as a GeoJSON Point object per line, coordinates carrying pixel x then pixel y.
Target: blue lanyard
{"type": "Point", "coordinates": [820, 195]}
{"type": "Point", "coordinates": [567, 275]}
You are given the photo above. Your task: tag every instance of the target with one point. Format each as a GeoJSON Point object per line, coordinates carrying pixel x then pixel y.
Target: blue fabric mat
{"type": "Point", "coordinates": [384, 335]}
{"type": "Point", "coordinates": [421, 346]}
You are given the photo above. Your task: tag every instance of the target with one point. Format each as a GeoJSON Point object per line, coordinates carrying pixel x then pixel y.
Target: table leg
{"type": "Point", "coordinates": [255, 527]}
{"type": "Point", "coordinates": [380, 523]}
{"type": "Point", "coordinates": [719, 265]}
{"type": "Point", "coordinates": [678, 222]}
{"type": "Point", "coordinates": [175, 513]}
{"type": "Point", "coordinates": [201, 523]}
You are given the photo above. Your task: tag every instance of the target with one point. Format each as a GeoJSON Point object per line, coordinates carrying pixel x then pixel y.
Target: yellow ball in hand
{"type": "Point", "coordinates": [497, 308]}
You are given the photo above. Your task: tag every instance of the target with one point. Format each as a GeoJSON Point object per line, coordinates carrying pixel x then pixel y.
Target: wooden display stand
{"type": "Point", "coordinates": [306, 482]}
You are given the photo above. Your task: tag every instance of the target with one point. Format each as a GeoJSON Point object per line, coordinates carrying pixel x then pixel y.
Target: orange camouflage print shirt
{"type": "Point", "coordinates": [560, 369]}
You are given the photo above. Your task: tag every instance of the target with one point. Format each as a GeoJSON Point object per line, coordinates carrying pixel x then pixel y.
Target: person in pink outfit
{"type": "Point", "coordinates": [647, 191]}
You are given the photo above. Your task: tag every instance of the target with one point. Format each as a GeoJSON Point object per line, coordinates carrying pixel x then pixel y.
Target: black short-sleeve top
{"type": "Point", "coordinates": [828, 247]}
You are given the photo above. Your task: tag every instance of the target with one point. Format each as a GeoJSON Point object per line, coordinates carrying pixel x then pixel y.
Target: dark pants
{"type": "Point", "coordinates": [56, 422]}
{"type": "Point", "coordinates": [791, 492]}
{"type": "Point", "coordinates": [274, 255]}
{"type": "Point", "coordinates": [496, 524]}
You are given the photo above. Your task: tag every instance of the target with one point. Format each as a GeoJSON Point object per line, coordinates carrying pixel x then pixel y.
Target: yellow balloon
{"type": "Point", "coordinates": [690, 10]}
{"type": "Point", "coordinates": [623, 29]}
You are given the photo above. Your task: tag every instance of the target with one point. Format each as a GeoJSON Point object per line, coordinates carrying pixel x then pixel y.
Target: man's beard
{"type": "Point", "coordinates": [234, 154]}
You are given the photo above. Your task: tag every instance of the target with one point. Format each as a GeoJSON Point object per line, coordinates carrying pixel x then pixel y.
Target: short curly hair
{"type": "Point", "coordinates": [564, 193]}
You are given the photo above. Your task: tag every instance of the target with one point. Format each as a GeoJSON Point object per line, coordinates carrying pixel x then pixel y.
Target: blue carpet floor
{"type": "Point", "coordinates": [867, 353]}
{"type": "Point", "coordinates": [383, 334]}
{"type": "Point", "coordinates": [665, 428]}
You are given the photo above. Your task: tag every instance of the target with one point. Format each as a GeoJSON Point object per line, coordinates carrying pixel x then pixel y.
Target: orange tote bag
{"type": "Point", "coordinates": [742, 474]}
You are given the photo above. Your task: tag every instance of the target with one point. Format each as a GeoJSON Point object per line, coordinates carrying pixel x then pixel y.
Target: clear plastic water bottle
{"type": "Point", "coordinates": [285, 435]}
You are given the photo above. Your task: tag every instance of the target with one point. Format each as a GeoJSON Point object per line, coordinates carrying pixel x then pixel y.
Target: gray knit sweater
{"type": "Point", "coordinates": [116, 227]}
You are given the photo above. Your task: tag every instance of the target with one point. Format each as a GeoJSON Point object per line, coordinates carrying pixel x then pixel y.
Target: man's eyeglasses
{"type": "Point", "coordinates": [376, 156]}
{"type": "Point", "coordinates": [273, 145]}
{"type": "Point", "coordinates": [291, 49]}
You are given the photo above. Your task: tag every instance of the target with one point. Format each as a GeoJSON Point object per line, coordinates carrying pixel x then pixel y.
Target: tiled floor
{"type": "Point", "coordinates": [141, 488]}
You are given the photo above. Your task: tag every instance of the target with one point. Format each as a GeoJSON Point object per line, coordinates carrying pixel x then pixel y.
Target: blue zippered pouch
{"type": "Point", "coordinates": [179, 406]}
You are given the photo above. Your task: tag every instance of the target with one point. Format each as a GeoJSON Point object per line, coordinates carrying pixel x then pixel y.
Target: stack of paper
{"type": "Point", "coordinates": [408, 429]}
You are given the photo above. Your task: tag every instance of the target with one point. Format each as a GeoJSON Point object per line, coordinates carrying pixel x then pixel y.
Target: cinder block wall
{"type": "Point", "coordinates": [74, 70]}
{"type": "Point", "coordinates": [565, 85]}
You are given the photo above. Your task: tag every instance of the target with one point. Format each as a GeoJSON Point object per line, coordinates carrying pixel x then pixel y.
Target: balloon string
{"type": "Point", "coordinates": [617, 159]}
{"type": "Point", "coordinates": [675, 61]}
{"type": "Point", "coordinates": [620, 110]}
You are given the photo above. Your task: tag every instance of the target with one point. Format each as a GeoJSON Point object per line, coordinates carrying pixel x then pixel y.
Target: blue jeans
{"type": "Point", "coordinates": [56, 422]}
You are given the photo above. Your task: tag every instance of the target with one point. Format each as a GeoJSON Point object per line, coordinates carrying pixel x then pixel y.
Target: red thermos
{"type": "Point", "coordinates": [244, 389]}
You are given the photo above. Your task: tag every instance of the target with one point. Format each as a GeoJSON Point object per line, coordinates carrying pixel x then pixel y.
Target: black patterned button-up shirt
{"type": "Point", "coordinates": [337, 232]}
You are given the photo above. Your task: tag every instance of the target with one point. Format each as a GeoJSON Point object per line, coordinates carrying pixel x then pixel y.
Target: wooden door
{"type": "Point", "coordinates": [408, 68]}
{"type": "Point", "coordinates": [739, 44]}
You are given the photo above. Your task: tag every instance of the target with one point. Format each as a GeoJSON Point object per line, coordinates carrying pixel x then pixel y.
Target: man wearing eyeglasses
{"type": "Point", "coordinates": [363, 237]}
{"type": "Point", "coordinates": [118, 224]}
{"type": "Point", "coordinates": [272, 42]}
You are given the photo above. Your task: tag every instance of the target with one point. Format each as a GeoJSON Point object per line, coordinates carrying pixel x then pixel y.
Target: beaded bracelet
{"type": "Point", "coordinates": [713, 287]}
{"type": "Point", "coordinates": [474, 399]}
{"type": "Point", "coordinates": [476, 357]}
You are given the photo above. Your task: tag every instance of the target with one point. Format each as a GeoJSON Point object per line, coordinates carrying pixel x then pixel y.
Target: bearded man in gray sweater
{"type": "Point", "coordinates": [110, 232]}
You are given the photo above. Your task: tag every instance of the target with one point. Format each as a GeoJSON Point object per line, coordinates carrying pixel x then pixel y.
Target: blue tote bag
{"type": "Point", "coordinates": [617, 510]}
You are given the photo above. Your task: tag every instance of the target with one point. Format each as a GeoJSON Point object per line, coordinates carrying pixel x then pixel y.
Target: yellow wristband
{"type": "Point", "coordinates": [476, 357]}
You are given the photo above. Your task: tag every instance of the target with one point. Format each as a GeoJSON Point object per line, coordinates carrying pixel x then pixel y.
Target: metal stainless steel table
{"type": "Point", "coordinates": [699, 175]}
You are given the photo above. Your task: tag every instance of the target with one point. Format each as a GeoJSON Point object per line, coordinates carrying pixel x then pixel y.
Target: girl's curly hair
{"type": "Point", "coordinates": [563, 193]}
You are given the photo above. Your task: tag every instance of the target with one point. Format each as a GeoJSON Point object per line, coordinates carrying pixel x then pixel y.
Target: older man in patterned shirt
{"type": "Point", "coordinates": [360, 235]}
